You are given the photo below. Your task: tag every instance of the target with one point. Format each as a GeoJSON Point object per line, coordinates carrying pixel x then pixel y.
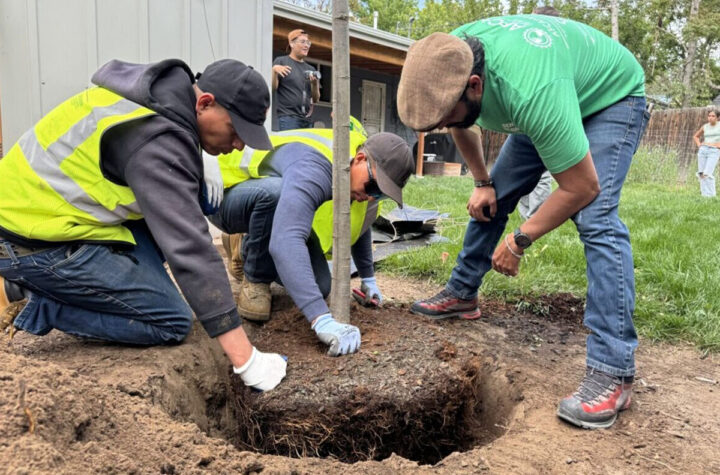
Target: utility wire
{"type": "Point", "coordinates": [207, 28]}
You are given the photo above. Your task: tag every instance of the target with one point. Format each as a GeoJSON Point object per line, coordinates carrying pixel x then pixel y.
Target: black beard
{"type": "Point", "coordinates": [472, 115]}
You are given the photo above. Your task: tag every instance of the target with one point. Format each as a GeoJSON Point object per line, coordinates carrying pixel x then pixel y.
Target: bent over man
{"type": "Point", "coordinates": [573, 101]}
{"type": "Point", "coordinates": [107, 186]}
{"type": "Point", "coordinates": [281, 199]}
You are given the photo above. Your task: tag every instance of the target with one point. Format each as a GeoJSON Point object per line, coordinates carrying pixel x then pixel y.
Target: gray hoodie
{"type": "Point", "coordinates": [159, 159]}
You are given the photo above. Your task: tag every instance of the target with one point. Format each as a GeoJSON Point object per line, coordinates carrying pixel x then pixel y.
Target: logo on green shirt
{"type": "Point", "coordinates": [511, 127]}
{"type": "Point", "coordinates": [537, 37]}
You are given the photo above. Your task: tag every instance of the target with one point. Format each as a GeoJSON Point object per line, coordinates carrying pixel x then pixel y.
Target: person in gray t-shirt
{"type": "Point", "coordinates": [296, 84]}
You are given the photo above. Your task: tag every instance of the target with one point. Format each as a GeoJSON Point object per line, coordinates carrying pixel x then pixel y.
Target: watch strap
{"type": "Point", "coordinates": [482, 183]}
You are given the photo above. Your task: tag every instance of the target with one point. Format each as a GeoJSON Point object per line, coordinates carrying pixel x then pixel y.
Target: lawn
{"type": "Point", "coordinates": [674, 234]}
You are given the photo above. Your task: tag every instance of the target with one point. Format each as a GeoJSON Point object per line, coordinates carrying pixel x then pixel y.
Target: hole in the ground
{"type": "Point", "coordinates": [456, 409]}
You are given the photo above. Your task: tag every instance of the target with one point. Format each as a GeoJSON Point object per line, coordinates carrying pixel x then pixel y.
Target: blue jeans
{"type": "Point", "coordinates": [249, 207]}
{"type": "Point", "coordinates": [95, 291]}
{"type": "Point", "coordinates": [707, 160]}
{"type": "Point", "coordinates": [291, 122]}
{"type": "Point", "coordinates": [614, 134]}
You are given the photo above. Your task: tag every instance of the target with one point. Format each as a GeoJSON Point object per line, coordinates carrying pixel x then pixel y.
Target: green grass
{"type": "Point", "coordinates": [674, 234]}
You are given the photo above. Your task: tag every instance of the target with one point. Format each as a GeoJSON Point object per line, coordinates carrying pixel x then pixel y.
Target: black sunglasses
{"type": "Point", "coordinates": [372, 188]}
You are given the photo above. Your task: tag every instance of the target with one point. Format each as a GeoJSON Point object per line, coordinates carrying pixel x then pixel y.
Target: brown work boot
{"type": "Point", "coordinates": [254, 301]}
{"type": "Point", "coordinates": [8, 310]}
{"type": "Point", "coordinates": [232, 243]}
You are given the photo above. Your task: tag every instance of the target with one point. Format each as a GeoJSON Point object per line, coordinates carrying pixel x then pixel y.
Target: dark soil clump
{"type": "Point", "coordinates": [408, 391]}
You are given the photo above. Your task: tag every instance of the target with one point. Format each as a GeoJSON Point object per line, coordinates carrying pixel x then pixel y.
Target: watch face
{"type": "Point", "coordinates": [522, 240]}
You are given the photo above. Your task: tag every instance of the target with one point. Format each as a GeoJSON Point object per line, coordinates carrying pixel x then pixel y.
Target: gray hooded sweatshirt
{"type": "Point", "coordinates": [159, 159]}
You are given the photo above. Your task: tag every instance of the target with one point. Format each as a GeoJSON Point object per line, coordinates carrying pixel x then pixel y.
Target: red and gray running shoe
{"type": "Point", "coordinates": [446, 305]}
{"type": "Point", "coordinates": [598, 400]}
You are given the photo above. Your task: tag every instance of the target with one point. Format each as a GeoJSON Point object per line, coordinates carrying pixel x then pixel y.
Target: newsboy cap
{"type": "Point", "coordinates": [433, 79]}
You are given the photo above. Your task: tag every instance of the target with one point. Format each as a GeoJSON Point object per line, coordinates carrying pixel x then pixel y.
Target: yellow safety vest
{"type": "Point", "coordinates": [239, 166]}
{"type": "Point", "coordinates": [51, 185]}
{"type": "Point", "coordinates": [356, 126]}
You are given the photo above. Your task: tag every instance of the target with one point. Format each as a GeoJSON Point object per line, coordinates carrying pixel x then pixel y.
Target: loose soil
{"type": "Point", "coordinates": [410, 391]}
{"type": "Point", "coordinates": [420, 397]}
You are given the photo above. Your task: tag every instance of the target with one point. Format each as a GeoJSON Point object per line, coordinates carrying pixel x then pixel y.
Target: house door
{"type": "Point", "coordinates": [373, 106]}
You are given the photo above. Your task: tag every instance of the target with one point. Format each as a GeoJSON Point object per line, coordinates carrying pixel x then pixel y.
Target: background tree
{"type": "Point", "coordinates": [393, 15]}
{"type": "Point", "coordinates": [446, 15]}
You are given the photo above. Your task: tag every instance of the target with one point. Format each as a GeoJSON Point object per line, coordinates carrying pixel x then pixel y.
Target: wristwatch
{"type": "Point", "coordinates": [481, 183]}
{"type": "Point", "coordinates": [522, 240]}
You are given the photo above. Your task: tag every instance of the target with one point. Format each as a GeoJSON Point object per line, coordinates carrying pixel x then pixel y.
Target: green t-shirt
{"type": "Point", "coordinates": [544, 74]}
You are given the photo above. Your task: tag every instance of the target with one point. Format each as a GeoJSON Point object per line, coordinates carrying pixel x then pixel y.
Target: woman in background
{"type": "Point", "coordinates": [708, 153]}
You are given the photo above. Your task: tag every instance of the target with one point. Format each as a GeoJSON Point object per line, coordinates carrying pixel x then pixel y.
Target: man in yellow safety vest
{"type": "Point", "coordinates": [282, 200]}
{"type": "Point", "coordinates": [110, 184]}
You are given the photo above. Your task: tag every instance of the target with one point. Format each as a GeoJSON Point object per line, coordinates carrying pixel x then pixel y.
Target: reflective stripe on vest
{"type": "Point", "coordinates": [58, 191]}
{"type": "Point", "coordinates": [240, 166]}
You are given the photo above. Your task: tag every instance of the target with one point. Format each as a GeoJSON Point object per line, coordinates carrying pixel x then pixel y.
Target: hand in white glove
{"type": "Point", "coordinates": [213, 181]}
{"type": "Point", "coordinates": [263, 371]}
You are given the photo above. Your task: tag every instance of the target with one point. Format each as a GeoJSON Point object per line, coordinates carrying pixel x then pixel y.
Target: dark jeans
{"type": "Point", "coordinates": [249, 207]}
{"type": "Point", "coordinates": [290, 122]}
{"type": "Point", "coordinates": [614, 134]}
{"type": "Point", "coordinates": [95, 291]}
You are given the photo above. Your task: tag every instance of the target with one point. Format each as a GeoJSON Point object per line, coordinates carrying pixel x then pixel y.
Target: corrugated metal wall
{"type": "Point", "coordinates": [49, 49]}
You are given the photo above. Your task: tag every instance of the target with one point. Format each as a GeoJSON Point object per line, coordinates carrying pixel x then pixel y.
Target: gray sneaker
{"type": "Point", "coordinates": [597, 401]}
{"type": "Point", "coordinates": [446, 305]}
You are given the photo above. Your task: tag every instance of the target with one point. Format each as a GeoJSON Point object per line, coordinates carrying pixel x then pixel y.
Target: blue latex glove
{"type": "Point", "coordinates": [370, 289]}
{"type": "Point", "coordinates": [369, 294]}
{"type": "Point", "coordinates": [340, 337]}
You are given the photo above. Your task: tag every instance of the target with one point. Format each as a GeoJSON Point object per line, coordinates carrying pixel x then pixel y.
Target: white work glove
{"type": "Point", "coordinates": [263, 371]}
{"type": "Point", "coordinates": [213, 181]}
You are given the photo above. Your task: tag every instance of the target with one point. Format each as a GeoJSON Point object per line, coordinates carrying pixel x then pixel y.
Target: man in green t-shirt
{"type": "Point", "coordinates": [573, 101]}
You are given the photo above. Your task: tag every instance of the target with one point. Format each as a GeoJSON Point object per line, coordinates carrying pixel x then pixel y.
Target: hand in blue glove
{"type": "Point", "coordinates": [212, 184]}
{"type": "Point", "coordinates": [369, 294]}
{"type": "Point", "coordinates": [340, 337]}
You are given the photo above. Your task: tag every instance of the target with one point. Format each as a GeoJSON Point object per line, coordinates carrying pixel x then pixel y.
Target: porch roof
{"type": "Point", "coordinates": [371, 49]}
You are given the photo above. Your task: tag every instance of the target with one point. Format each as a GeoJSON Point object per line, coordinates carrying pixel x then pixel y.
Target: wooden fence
{"type": "Point", "coordinates": [669, 131]}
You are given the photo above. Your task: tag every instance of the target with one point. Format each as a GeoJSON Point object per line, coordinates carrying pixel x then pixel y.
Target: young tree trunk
{"type": "Point", "coordinates": [614, 19]}
{"type": "Point", "coordinates": [340, 294]}
{"type": "Point", "coordinates": [691, 48]}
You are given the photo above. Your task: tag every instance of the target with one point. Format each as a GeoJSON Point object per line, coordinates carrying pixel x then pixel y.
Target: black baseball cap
{"type": "Point", "coordinates": [394, 163]}
{"type": "Point", "coordinates": [244, 93]}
